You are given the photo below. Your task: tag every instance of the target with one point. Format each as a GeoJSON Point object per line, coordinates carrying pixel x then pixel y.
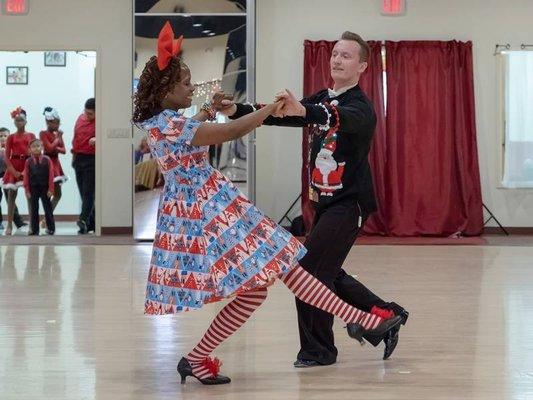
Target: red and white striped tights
{"type": "Point", "coordinates": [304, 286]}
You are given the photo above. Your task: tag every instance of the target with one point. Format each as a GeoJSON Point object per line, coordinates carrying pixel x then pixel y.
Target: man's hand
{"type": "Point", "coordinates": [292, 107]}
{"type": "Point", "coordinates": [17, 174]}
{"type": "Point", "coordinates": [28, 195]}
{"type": "Point", "coordinates": [92, 141]}
{"type": "Point", "coordinates": [49, 194]}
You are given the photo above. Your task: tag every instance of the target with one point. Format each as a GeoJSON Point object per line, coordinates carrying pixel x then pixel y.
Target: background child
{"type": "Point", "coordinates": [39, 184]}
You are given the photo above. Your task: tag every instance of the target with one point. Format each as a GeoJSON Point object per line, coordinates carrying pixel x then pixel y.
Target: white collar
{"type": "Point", "coordinates": [335, 93]}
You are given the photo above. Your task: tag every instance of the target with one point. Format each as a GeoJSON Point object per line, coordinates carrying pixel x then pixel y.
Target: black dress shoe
{"type": "Point", "coordinates": [306, 363]}
{"type": "Point", "coordinates": [391, 340]}
{"type": "Point", "coordinates": [83, 227]}
{"type": "Point", "coordinates": [185, 370]}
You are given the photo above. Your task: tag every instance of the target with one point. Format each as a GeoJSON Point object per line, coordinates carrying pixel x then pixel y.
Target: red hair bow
{"type": "Point", "coordinates": [167, 46]}
{"type": "Point", "coordinates": [16, 112]}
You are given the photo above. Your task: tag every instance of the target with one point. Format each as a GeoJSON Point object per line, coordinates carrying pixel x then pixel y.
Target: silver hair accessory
{"type": "Point", "coordinates": [51, 114]}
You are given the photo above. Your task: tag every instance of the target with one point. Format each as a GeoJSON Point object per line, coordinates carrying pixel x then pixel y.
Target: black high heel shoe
{"type": "Point", "coordinates": [356, 331]}
{"type": "Point", "coordinates": [185, 370]}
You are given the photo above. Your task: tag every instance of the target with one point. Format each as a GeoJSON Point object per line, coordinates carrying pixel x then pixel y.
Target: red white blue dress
{"type": "Point", "coordinates": [211, 242]}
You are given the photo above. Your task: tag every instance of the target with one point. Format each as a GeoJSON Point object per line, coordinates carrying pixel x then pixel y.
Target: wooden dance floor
{"type": "Point", "coordinates": [72, 327]}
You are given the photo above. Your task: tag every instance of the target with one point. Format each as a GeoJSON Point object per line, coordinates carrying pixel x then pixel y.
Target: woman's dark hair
{"type": "Point", "coordinates": [153, 87]}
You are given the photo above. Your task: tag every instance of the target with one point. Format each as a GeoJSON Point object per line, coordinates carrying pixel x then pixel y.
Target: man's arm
{"type": "Point", "coordinates": [292, 121]}
{"type": "Point", "coordinates": [352, 117]}
{"type": "Point", "coordinates": [237, 110]}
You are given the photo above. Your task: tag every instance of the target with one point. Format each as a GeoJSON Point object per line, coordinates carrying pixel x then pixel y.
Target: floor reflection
{"type": "Point", "coordinates": [72, 327]}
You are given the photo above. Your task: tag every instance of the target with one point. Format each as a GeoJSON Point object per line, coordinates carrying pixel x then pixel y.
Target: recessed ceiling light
{"type": "Point", "coordinates": [206, 31]}
{"type": "Point", "coordinates": [197, 25]}
{"type": "Point", "coordinates": [211, 34]}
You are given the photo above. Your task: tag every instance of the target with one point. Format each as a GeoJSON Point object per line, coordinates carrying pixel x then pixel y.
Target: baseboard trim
{"type": "Point", "coordinates": [116, 230]}
{"type": "Point", "coordinates": [513, 230]}
{"type": "Point", "coordinates": [57, 217]}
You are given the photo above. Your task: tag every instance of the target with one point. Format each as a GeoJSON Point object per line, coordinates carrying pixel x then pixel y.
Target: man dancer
{"type": "Point", "coordinates": [342, 123]}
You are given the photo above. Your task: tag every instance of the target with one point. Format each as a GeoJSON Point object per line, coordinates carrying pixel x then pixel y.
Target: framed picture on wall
{"type": "Point", "coordinates": [17, 75]}
{"type": "Point", "coordinates": [55, 59]}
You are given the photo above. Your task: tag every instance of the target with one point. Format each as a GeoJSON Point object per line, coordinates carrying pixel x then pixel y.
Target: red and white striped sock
{"type": "Point", "coordinates": [227, 321]}
{"type": "Point", "coordinates": [311, 291]}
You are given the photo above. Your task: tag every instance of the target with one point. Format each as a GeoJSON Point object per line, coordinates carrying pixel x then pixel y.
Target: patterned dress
{"type": "Point", "coordinates": [211, 242]}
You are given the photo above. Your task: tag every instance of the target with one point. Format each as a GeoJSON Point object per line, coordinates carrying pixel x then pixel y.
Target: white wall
{"type": "Point", "coordinates": [64, 88]}
{"type": "Point", "coordinates": [104, 26]}
{"type": "Point", "coordinates": [283, 25]}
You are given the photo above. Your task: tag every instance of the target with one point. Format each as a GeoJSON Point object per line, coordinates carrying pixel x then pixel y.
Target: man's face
{"type": "Point", "coordinates": [345, 61]}
{"type": "Point", "coordinates": [90, 114]}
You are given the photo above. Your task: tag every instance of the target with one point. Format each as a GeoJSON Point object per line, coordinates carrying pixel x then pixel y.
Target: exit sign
{"type": "Point", "coordinates": [393, 7]}
{"type": "Point", "coordinates": [16, 7]}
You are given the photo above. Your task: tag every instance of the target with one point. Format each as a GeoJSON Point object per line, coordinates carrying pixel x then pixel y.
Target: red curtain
{"type": "Point", "coordinates": [432, 174]}
{"type": "Point", "coordinates": [424, 155]}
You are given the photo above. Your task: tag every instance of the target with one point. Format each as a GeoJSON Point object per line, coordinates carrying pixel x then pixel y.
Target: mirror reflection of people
{"type": "Point", "coordinates": [39, 185]}
{"type": "Point", "coordinates": [52, 140]}
{"type": "Point", "coordinates": [142, 150]}
{"type": "Point", "coordinates": [16, 153]}
{"type": "Point", "coordinates": [83, 162]}
{"type": "Point", "coordinates": [211, 242]}
{"type": "Point", "coordinates": [17, 220]}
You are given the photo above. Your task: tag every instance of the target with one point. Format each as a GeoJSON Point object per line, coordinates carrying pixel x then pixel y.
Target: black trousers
{"type": "Point", "coordinates": [17, 219]}
{"type": "Point", "coordinates": [84, 166]}
{"type": "Point", "coordinates": [333, 235]}
{"type": "Point", "coordinates": [40, 193]}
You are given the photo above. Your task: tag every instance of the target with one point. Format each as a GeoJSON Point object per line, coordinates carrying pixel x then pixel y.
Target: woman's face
{"type": "Point", "coordinates": [20, 122]}
{"type": "Point", "coordinates": [181, 95]}
{"type": "Point", "coordinates": [52, 125]}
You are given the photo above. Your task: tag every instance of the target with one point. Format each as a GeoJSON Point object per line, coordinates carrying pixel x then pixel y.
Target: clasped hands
{"type": "Point", "coordinates": [287, 104]}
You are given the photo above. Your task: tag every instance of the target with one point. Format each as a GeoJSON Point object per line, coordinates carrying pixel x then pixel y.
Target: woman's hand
{"type": "Point", "coordinates": [277, 108]}
{"type": "Point", "coordinates": [291, 105]}
{"type": "Point", "coordinates": [221, 101]}
{"type": "Point", "coordinates": [224, 104]}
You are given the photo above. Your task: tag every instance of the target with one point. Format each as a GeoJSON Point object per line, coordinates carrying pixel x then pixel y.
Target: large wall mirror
{"type": "Point", "coordinates": [218, 48]}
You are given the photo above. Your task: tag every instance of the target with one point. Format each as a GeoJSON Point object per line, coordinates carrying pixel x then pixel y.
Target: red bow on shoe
{"type": "Point", "coordinates": [382, 313]}
{"type": "Point", "coordinates": [212, 366]}
{"type": "Point", "coordinates": [167, 46]}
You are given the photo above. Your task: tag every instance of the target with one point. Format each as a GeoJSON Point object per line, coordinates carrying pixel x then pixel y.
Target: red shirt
{"type": "Point", "coordinates": [83, 131]}
{"type": "Point", "coordinates": [38, 160]}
